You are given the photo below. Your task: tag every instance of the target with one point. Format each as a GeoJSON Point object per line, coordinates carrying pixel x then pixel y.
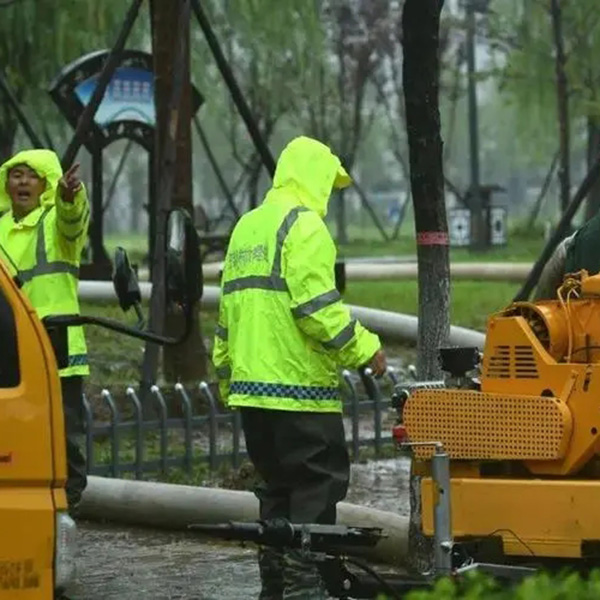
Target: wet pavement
{"type": "Point", "coordinates": [135, 564]}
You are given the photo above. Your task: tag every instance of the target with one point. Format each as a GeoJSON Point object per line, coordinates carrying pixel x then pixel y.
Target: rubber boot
{"type": "Point", "coordinates": [270, 565]}
{"type": "Point", "coordinates": [302, 578]}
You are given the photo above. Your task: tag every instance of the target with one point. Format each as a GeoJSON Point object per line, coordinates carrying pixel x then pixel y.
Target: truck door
{"type": "Point", "coordinates": [27, 450]}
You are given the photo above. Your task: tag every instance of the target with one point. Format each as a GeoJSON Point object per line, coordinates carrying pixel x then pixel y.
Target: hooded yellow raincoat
{"type": "Point", "coordinates": [283, 329]}
{"type": "Point", "coordinates": [45, 246]}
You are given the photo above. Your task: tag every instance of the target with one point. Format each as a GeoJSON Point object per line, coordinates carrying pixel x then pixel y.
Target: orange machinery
{"type": "Point", "coordinates": [522, 431]}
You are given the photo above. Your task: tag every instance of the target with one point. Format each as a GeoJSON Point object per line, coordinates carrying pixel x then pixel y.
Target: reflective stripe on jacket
{"type": "Point", "coordinates": [283, 330]}
{"type": "Point", "coordinates": [46, 247]}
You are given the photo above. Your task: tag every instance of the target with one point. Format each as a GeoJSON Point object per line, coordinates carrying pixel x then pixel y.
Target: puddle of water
{"type": "Point", "coordinates": [382, 484]}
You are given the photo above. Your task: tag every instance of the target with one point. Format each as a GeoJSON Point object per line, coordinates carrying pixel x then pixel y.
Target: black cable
{"type": "Point", "coordinates": [496, 531]}
{"type": "Point", "coordinates": [585, 348]}
{"type": "Point", "coordinates": [367, 569]}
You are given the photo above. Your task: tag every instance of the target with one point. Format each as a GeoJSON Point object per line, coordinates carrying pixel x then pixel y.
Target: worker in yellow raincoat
{"type": "Point", "coordinates": [42, 233]}
{"type": "Point", "coordinates": [283, 331]}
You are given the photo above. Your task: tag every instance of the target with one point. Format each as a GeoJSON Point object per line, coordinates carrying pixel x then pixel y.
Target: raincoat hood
{"type": "Point", "coordinates": [44, 162]}
{"type": "Point", "coordinates": [309, 167]}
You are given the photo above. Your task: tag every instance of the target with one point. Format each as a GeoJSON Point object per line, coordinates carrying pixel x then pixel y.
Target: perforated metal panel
{"type": "Point", "coordinates": [477, 426]}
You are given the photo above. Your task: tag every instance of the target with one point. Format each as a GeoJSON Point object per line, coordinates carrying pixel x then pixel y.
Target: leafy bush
{"type": "Point", "coordinates": [565, 586]}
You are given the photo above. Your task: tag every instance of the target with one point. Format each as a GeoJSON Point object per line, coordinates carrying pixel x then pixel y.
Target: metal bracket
{"type": "Point", "coordinates": [442, 514]}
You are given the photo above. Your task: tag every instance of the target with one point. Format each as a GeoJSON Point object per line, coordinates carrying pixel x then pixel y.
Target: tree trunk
{"type": "Point", "coordinates": [138, 193]}
{"type": "Point", "coordinates": [562, 103]}
{"type": "Point", "coordinates": [593, 150]}
{"type": "Point", "coordinates": [253, 184]}
{"type": "Point", "coordinates": [8, 132]}
{"type": "Point", "coordinates": [476, 200]}
{"type": "Point", "coordinates": [421, 69]}
{"type": "Point", "coordinates": [537, 207]}
{"type": "Point", "coordinates": [340, 213]}
{"type": "Point", "coordinates": [186, 362]}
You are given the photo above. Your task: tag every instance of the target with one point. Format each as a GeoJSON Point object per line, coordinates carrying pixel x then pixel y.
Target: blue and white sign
{"type": "Point", "coordinates": [127, 109]}
{"type": "Point", "coordinates": [129, 97]}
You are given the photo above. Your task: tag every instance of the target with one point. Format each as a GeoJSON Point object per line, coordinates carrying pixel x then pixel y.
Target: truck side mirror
{"type": "Point", "coordinates": [184, 267]}
{"type": "Point", "coordinates": [125, 281]}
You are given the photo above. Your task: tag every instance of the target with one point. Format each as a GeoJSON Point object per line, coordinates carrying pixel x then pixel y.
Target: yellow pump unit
{"type": "Point", "coordinates": [522, 433]}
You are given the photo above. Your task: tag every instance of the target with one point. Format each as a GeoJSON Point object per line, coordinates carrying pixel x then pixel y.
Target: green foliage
{"type": "Point", "coordinates": [39, 37]}
{"type": "Point", "coordinates": [268, 45]}
{"type": "Point", "coordinates": [522, 35]}
{"type": "Point", "coordinates": [566, 586]}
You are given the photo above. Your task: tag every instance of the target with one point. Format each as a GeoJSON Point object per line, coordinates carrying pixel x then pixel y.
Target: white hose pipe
{"type": "Point", "coordinates": [398, 327]}
{"type": "Point", "coordinates": [175, 507]}
{"type": "Point", "coordinates": [494, 271]}
{"type": "Point", "coordinates": [391, 326]}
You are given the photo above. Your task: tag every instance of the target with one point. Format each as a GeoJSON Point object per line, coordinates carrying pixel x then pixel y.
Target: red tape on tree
{"type": "Point", "coordinates": [432, 238]}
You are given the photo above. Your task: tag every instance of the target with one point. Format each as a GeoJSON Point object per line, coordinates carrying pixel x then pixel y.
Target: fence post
{"type": "Point", "coordinates": [412, 371]}
{"type": "Point", "coordinates": [355, 415]}
{"type": "Point", "coordinates": [114, 432]}
{"type": "Point", "coordinates": [89, 434]}
{"type": "Point", "coordinates": [187, 411]}
{"type": "Point", "coordinates": [139, 433]}
{"type": "Point", "coordinates": [212, 425]}
{"type": "Point", "coordinates": [391, 373]}
{"type": "Point", "coordinates": [156, 393]}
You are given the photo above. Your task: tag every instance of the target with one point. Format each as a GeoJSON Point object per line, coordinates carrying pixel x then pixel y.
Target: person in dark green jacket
{"type": "Point", "coordinates": [282, 334]}
{"type": "Point", "coordinates": [580, 250]}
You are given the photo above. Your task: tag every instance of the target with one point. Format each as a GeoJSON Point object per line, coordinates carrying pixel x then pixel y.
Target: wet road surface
{"type": "Point", "coordinates": [135, 564]}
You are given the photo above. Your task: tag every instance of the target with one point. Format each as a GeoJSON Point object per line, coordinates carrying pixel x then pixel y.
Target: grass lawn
{"type": "Point", "coordinates": [521, 249]}
{"type": "Point", "coordinates": [471, 301]}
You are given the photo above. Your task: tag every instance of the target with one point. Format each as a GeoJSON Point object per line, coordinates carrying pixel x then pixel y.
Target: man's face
{"type": "Point", "coordinates": [24, 186]}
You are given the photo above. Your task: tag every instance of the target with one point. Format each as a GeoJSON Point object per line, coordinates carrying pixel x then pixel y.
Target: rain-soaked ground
{"type": "Point", "coordinates": [131, 564]}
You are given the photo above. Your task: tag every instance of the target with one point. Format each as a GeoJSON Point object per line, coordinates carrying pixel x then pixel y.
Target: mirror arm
{"type": "Point", "coordinates": [73, 321]}
{"type": "Point", "coordinates": [140, 315]}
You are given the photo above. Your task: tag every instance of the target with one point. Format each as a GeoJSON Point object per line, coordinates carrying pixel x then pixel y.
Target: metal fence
{"type": "Point", "coordinates": [191, 428]}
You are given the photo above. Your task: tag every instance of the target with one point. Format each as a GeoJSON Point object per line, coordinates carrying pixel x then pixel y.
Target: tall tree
{"type": "Point", "coordinates": [187, 361]}
{"type": "Point", "coordinates": [421, 70]}
{"type": "Point", "coordinates": [562, 103]}
{"type": "Point", "coordinates": [389, 85]}
{"type": "Point", "coordinates": [548, 52]}
{"type": "Point", "coordinates": [262, 41]}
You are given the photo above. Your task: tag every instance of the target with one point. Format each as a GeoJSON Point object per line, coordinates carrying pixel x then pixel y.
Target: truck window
{"type": "Point", "coordinates": [9, 357]}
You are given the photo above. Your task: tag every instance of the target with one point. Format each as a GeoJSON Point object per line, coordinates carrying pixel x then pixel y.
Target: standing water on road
{"type": "Point", "coordinates": [135, 564]}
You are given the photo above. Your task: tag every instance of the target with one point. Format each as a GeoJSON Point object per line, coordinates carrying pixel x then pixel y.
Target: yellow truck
{"type": "Point", "coordinates": [37, 545]}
